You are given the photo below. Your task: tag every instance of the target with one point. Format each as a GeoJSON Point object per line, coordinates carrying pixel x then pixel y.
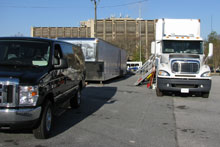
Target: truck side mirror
{"type": "Point", "coordinates": [153, 48]}
{"type": "Point", "coordinates": [158, 49]}
{"type": "Point", "coordinates": [210, 50]}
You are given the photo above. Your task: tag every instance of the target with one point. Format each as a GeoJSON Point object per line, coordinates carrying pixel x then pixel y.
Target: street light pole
{"type": "Point", "coordinates": [140, 29]}
{"type": "Point", "coordinates": [95, 21]}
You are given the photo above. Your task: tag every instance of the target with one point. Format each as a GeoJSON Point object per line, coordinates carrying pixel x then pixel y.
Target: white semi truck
{"type": "Point", "coordinates": [180, 59]}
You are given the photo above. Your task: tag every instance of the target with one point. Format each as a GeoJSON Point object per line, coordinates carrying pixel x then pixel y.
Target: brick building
{"type": "Point", "coordinates": [127, 33]}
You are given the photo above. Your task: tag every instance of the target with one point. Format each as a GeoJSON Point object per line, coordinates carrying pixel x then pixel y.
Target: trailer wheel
{"type": "Point", "coordinates": [76, 100]}
{"type": "Point", "coordinates": [205, 95]}
{"type": "Point", "coordinates": [44, 129]}
{"type": "Point", "coordinates": [159, 92]}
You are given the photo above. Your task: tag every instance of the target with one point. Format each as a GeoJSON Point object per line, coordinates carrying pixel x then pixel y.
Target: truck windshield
{"type": "Point", "coordinates": [190, 47]}
{"type": "Point", "coordinates": [23, 53]}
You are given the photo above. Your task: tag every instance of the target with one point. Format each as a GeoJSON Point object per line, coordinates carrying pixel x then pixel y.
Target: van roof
{"type": "Point", "coordinates": [30, 39]}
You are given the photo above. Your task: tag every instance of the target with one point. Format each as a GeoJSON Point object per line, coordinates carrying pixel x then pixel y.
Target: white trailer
{"type": "Point", "coordinates": [180, 59]}
{"type": "Point", "coordinates": [103, 60]}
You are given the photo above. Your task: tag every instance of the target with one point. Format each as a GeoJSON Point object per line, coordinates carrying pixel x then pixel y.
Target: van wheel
{"type": "Point", "coordinates": [158, 92]}
{"type": "Point", "coordinates": [205, 95]}
{"type": "Point", "coordinates": [76, 100]}
{"type": "Point", "coordinates": [44, 129]}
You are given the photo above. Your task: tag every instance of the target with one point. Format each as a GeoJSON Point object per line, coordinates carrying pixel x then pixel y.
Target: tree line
{"type": "Point", "coordinates": [214, 62]}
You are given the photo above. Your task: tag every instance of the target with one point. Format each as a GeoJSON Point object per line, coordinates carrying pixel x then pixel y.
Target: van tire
{"type": "Point", "coordinates": [44, 129]}
{"type": "Point", "coordinates": [205, 95]}
{"type": "Point", "coordinates": [76, 100]}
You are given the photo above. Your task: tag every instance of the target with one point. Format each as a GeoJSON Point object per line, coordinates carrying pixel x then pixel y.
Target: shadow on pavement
{"type": "Point", "coordinates": [93, 98]}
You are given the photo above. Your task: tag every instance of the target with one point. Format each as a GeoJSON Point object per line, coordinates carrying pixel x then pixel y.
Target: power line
{"type": "Point", "coordinates": [34, 7]}
{"type": "Point", "coordinates": [49, 7]}
{"type": "Point", "coordinates": [121, 5]}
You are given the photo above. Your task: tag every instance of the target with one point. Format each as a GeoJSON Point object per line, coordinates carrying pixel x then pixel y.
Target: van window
{"type": "Point", "coordinates": [78, 55]}
{"type": "Point", "coordinates": [68, 53]}
{"type": "Point", "coordinates": [24, 52]}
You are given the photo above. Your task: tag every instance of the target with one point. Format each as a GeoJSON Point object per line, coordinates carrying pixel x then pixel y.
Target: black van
{"type": "Point", "coordinates": [38, 77]}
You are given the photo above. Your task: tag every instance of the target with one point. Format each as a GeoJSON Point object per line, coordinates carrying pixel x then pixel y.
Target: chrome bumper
{"type": "Point", "coordinates": [19, 115]}
{"type": "Point", "coordinates": [175, 85]}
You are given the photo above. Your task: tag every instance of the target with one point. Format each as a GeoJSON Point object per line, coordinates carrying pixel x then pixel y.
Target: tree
{"type": "Point", "coordinates": [214, 38]}
{"type": "Point", "coordinates": [129, 44]}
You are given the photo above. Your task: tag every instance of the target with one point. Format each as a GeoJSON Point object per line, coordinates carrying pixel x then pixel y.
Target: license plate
{"type": "Point", "coordinates": [184, 90]}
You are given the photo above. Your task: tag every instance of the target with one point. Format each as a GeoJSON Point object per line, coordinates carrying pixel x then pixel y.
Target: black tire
{"type": "Point", "coordinates": [159, 93]}
{"type": "Point", "coordinates": [205, 95]}
{"type": "Point", "coordinates": [76, 100]}
{"type": "Point", "coordinates": [44, 129]}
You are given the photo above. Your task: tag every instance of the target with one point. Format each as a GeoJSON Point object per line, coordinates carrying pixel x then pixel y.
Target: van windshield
{"type": "Point", "coordinates": [191, 47]}
{"type": "Point", "coordinates": [24, 53]}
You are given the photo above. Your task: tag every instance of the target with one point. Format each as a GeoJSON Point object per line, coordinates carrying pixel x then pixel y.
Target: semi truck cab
{"type": "Point", "coordinates": [180, 59]}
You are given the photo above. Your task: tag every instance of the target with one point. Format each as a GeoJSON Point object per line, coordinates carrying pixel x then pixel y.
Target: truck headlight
{"type": "Point", "coordinates": [163, 73]}
{"type": "Point", "coordinates": [28, 95]}
{"type": "Point", "coordinates": [206, 74]}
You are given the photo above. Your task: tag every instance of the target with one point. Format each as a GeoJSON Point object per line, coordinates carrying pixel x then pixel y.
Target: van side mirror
{"type": "Point", "coordinates": [63, 64]}
{"type": "Point", "coordinates": [210, 50]}
{"type": "Point", "coordinates": [153, 49]}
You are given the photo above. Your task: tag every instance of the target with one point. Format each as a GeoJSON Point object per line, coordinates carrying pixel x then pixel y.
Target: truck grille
{"type": "Point", "coordinates": [191, 67]}
{"type": "Point", "coordinates": [8, 92]}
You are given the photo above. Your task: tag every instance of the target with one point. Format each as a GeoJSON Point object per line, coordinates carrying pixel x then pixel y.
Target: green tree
{"type": "Point", "coordinates": [214, 38]}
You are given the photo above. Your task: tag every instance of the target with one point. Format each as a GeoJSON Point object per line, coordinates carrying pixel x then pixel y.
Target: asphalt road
{"type": "Point", "coordinates": [118, 114]}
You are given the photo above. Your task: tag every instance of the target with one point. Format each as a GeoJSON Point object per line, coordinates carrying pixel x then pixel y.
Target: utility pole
{"type": "Point", "coordinates": [95, 21]}
{"type": "Point", "coordinates": [140, 28]}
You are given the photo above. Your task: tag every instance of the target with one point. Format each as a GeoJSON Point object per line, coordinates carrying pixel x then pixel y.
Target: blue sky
{"type": "Point", "coordinates": [17, 16]}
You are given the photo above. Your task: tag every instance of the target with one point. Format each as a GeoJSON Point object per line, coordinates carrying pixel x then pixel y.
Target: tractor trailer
{"type": "Point", "coordinates": [103, 60]}
{"type": "Point", "coordinates": [180, 60]}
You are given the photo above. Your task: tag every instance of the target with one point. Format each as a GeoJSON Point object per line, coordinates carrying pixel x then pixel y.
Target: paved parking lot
{"type": "Point", "coordinates": [120, 114]}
